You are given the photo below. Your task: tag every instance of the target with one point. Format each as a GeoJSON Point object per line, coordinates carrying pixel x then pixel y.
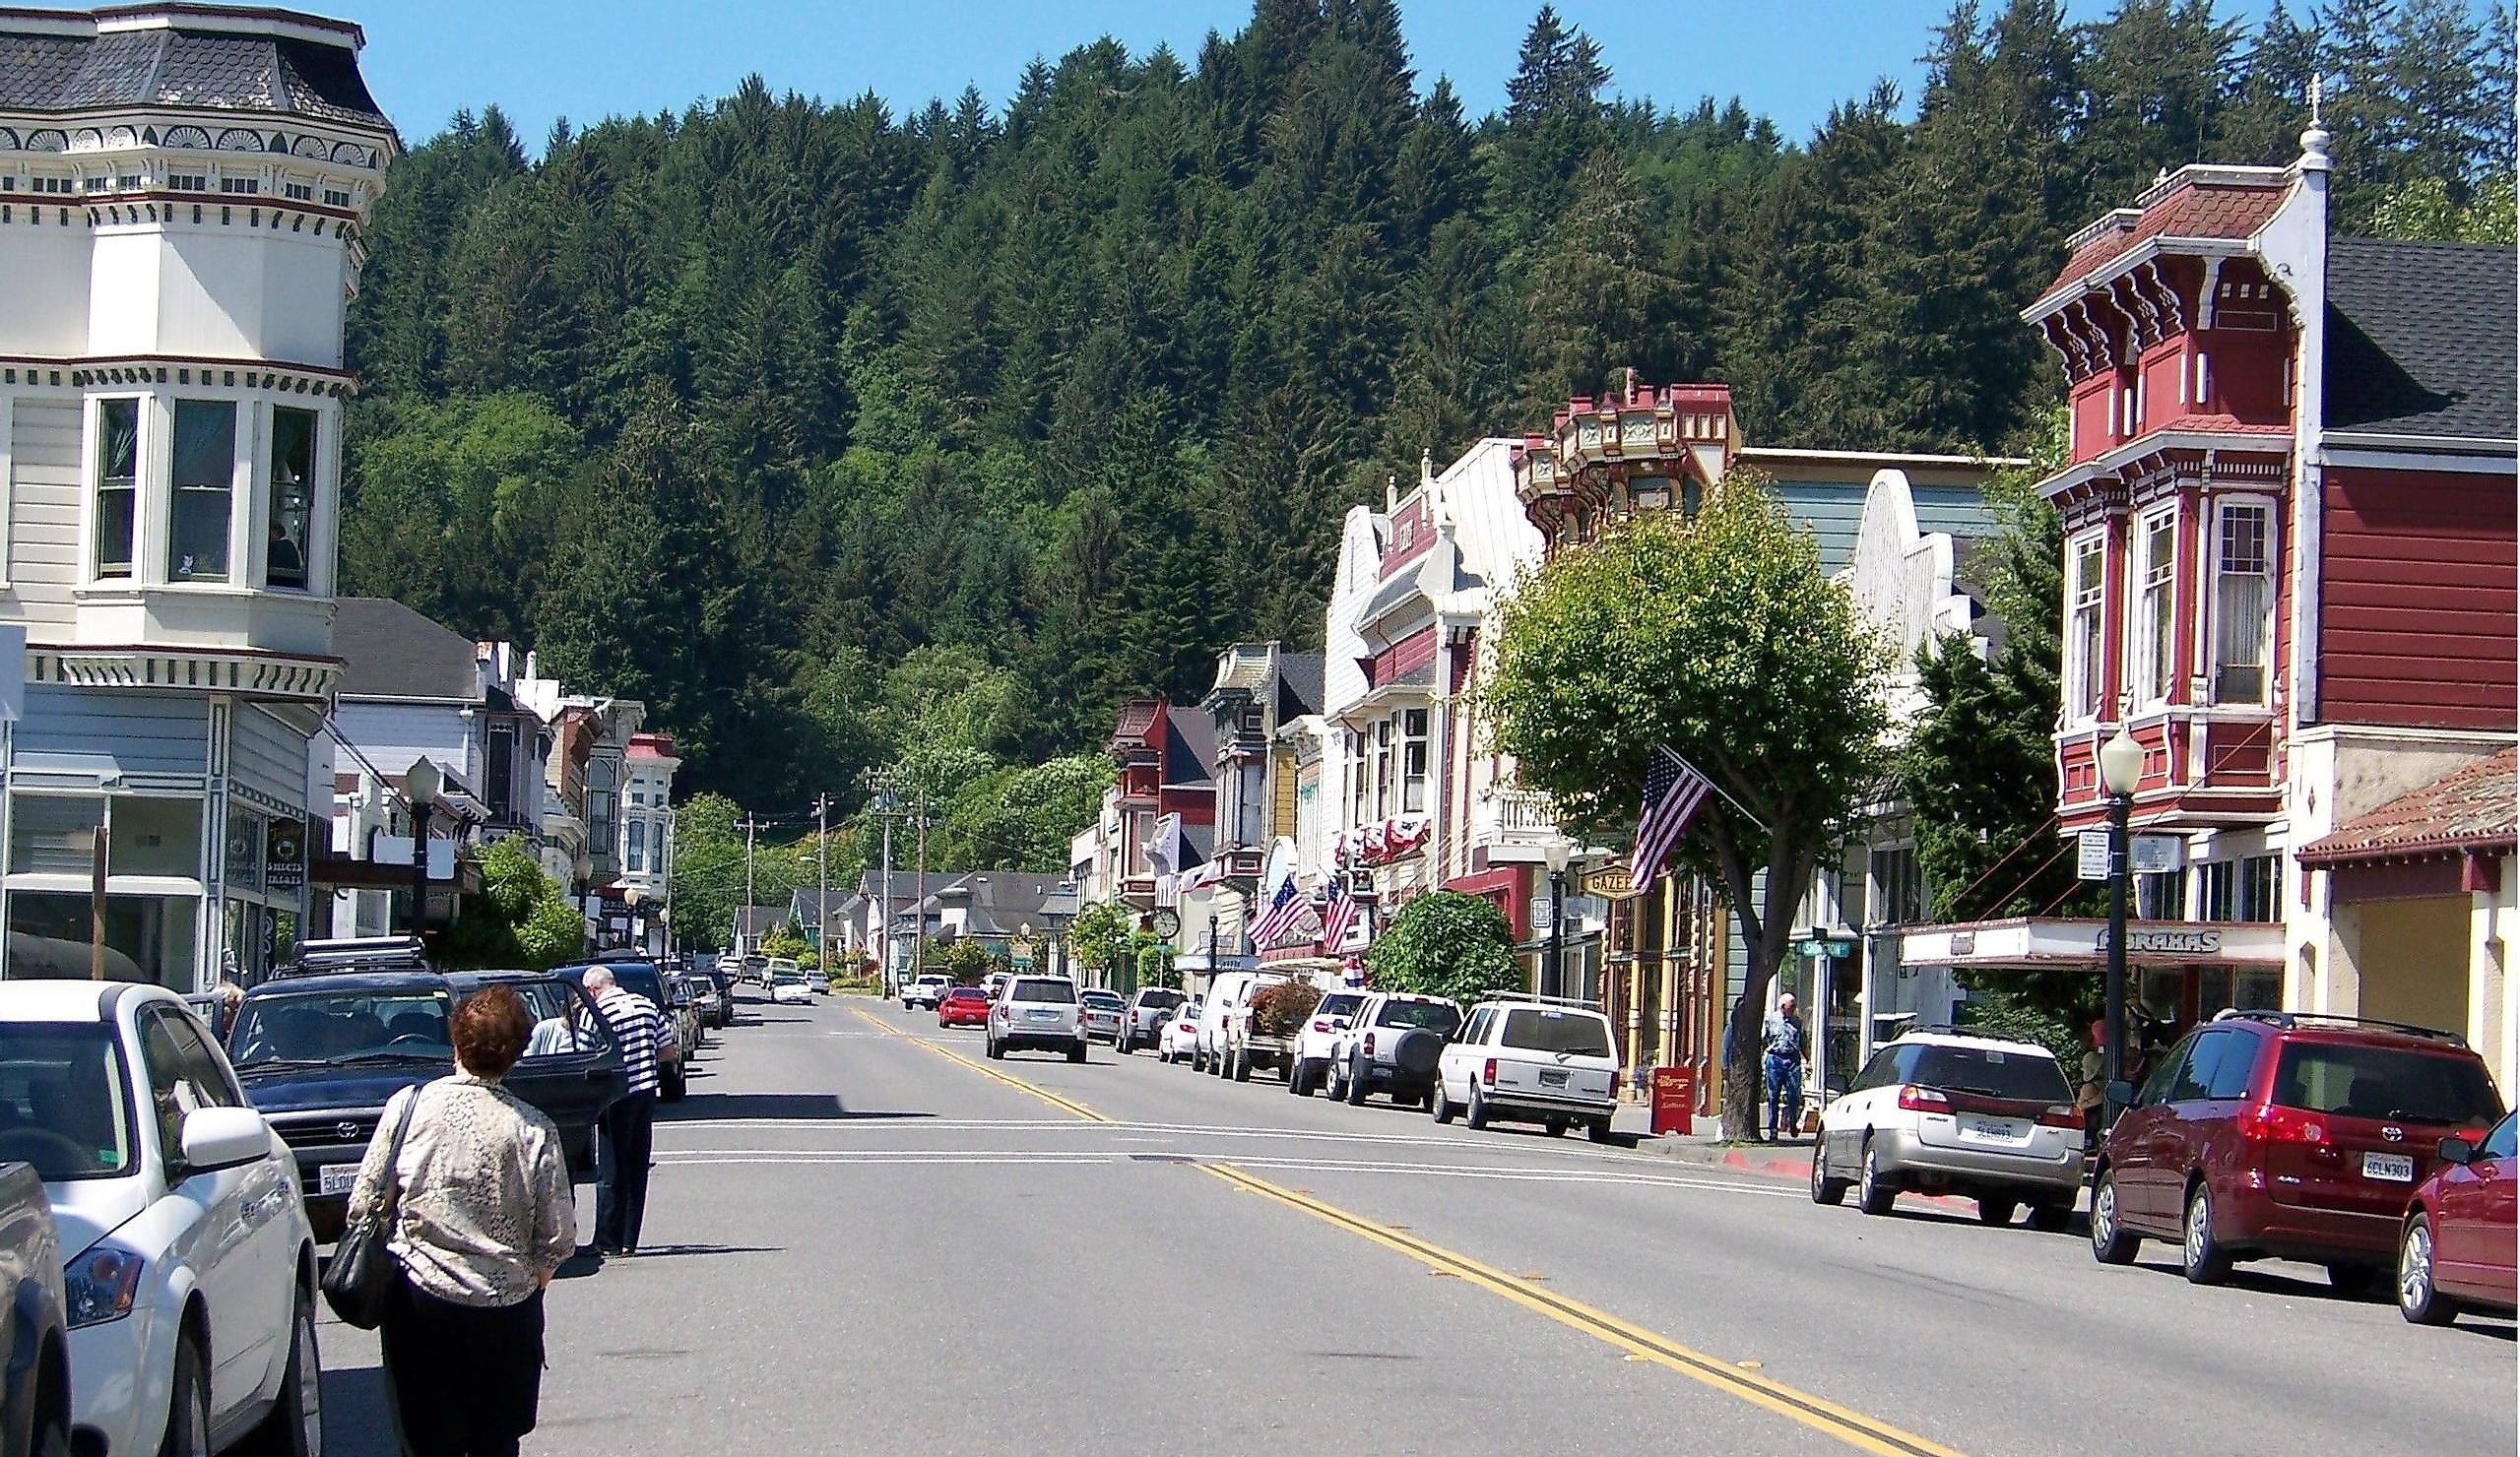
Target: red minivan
{"type": "Point", "coordinates": [2285, 1135]}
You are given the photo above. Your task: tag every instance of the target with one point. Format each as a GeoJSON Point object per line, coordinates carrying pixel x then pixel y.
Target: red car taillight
{"type": "Point", "coordinates": [2273, 1124]}
{"type": "Point", "coordinates": [1487, 1074]}
{"type": "Point", "coordinates": [1320, 1027]}
{"type": "Point", "coordinates": [2060, 1115]}
{"type": "Point", "coordinates": [1369, 1044]}
{"type": "Point", "coordinates": [1917, 1100]}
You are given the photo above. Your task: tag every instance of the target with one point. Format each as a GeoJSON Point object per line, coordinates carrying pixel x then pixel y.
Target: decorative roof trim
{"type": "Point", "coordinates": [170, 370]}
{"type": "Point", "coordinates": [242, 670]}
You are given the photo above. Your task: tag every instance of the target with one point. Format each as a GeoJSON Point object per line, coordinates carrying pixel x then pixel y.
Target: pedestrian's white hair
{"type": "Point", "coordinates": [1785, 1000]}
{"type": "Point", "coordinates": [599, 980]}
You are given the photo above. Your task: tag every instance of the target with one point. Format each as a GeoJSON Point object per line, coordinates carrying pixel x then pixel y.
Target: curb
{"type": "Point", "coordinates": [1777, 1165]}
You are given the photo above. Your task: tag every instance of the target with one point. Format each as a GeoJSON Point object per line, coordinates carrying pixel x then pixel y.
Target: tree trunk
{"type": "Point", "coordinates": [1744, 1070]}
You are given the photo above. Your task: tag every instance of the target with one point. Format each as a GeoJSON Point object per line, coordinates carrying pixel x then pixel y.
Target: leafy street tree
{"type": "Point", "coordinates": [966, 961]}
{"type": "Point", "coordinates": [1724, 640]}
{"type": "Point", "coordinates": [522, 919]}
{"type": "Point", "coordinates": [786, 940]}
{"type": "Point", "coordinates": [1098, 935]}
{"type": "Point", "coordinates": [1445, 943]}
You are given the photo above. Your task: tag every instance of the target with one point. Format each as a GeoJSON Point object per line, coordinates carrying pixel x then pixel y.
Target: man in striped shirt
{"type": "Point", "coordinates": [628, 1131]}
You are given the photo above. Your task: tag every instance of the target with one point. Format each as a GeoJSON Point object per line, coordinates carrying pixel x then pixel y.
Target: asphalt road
{"type": "Point", "coordinates": [864, 1238]}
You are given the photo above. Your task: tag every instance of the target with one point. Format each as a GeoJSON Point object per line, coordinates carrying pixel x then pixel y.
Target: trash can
{"type": "Point", "coordinates": [1676, 1100]}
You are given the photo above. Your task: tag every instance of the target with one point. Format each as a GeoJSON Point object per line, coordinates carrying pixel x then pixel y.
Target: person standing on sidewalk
{"type": "Point", "coordinates": [627, 1133]}
{"type": "Point", "coordinates": [2091, 1098]}
{"type": "Point", "coordinates": [1782, 1037]}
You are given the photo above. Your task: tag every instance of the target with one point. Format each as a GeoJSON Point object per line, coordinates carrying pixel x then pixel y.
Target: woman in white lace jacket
{"type": "Point", "coordinates": [483, 1217]}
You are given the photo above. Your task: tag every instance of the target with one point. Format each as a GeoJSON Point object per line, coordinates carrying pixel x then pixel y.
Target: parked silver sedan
{"type": "Point", "coordinates": [1101, 1012]}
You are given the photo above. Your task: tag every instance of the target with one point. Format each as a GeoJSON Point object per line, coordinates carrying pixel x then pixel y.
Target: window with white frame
{"type": "Point", "coordinates": [1384, 777]}
{"type": "Point", "coordinates": [117, 483]}
{"type": "Point", "coordinates": [2154, 655]}
{"type": "Point", "coordinates": [2244, 599]}
{"type": "Point", "coordinates": [637, 857]}
{"type": "Point", "coordinates": [205, 484]}
{"type": "Point", "coordinates": [2083, 626]}
{"type": "Point", "coordinates": [1413, 761]}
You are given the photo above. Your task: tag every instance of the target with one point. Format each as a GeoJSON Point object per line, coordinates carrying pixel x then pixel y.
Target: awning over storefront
{"type": "Point", "coordinates": [2027, 941]}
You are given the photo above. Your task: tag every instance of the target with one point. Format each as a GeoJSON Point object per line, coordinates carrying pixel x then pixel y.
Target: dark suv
{"type": "Point", "coordinates": [319, 1055]}
{"type": "Point", "coordinates": [2285, 1135]}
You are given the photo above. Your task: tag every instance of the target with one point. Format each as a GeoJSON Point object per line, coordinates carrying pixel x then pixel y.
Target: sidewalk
{"type": "Point", "coordinates": [1790, 1159]}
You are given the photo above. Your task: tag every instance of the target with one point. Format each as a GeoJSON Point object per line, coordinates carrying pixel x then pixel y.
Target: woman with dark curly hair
{"type": "Point", "coordinates": [482, 1219]}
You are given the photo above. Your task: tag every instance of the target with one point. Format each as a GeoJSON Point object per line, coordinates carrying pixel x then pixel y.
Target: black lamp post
{"type": "Point", "coordinates": [2121, 768]}
{"type": "Point", "coordinates": [420, 786]}
{"type": "Point", "coordinates": [1558, 853]}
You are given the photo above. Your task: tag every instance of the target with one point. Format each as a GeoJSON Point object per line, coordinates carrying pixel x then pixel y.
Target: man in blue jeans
{"type": "Point", "coordinates": [624, 1137]}
{"type": "Point", "coordinates": [1782, 1038]}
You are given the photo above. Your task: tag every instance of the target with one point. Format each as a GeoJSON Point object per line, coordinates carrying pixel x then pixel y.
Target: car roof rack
{"type": "Point", "coordinates": [357, 954]}
{"type": "Point", "coordinates": [1515, 994]}
{"type": "Point", "coordinates": [1980, 1031]}
{"type": "Point", "coordinates": [2314, 1020]}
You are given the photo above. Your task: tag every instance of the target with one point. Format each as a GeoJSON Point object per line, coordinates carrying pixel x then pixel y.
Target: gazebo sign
{"type": "Point", "coordinates": [1611, 882]}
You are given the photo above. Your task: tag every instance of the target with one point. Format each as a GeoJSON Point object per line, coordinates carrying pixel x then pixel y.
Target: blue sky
{"type": "Point", "coordinates": [543, 59]}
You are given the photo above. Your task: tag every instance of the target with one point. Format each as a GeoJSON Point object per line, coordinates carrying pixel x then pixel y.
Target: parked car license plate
{"type": "Point", "coordinates": [1041, 1016]}
{"type": "Point", "coordinates": [1990, 1131]}
{"type": "Point", "coordinates": [2395, 1167]}
{"type": "Point", "coordinates": [336, 1178]}
{"type": "Point", "coordinates": [1553, 1077]}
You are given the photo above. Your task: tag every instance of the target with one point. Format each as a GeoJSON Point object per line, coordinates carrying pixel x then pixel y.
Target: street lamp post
{"type": "Point", "coordinates": [2121, 768]}
{"type": "Point", "coordinates": [421, 784]}
{"type": "Point", "coordinates": [1558, 853]}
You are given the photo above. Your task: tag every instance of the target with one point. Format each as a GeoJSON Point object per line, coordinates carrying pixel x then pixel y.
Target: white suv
{"type": "Point", "coordinates": [1392, 1047]}
{"type": "Point", "coordinates": [1317, 1041]}
{"type": "Point", "coordinates": [1948, 1110]}
{"type": "Point", "coordinates": [1546, 1061]}
{"type": "Point", "coordinates": [190, 1284]}
{"type": "Point", "coordinates": [1039, 1013]}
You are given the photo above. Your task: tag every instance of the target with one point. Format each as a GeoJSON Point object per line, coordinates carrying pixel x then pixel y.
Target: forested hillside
{"type": "Point", "coordinates": [734, 409]}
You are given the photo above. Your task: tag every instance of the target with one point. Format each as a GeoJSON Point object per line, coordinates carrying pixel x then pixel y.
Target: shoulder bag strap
{"type": "Point", "coordinates": [394, 1158]}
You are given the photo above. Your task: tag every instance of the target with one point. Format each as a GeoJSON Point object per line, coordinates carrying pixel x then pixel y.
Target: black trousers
{"type": "Point", "coordinates": [467, 1379]}
{"type": "Point", "coordinates": [627, 1139]}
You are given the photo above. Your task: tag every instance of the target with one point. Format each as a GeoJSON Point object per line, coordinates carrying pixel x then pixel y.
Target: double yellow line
{"type": "Point", "coordinates": [1847, 1426]}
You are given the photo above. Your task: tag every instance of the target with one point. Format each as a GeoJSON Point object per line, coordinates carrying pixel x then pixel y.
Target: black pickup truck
{"type": "Point", "coordinates": [319, 1055]}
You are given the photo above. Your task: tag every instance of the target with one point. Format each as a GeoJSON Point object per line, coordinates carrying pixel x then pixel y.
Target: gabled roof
{"type": "Point", "coordinates": [2420, 338]}
{"type": "Point", "coordinates": [389, 651]}
{"type": "Point", "coordinates": [1299, 685]}
{"type": "Point", "coordinates": [2476, 808]}
{"type": "Point", "coordinates": [759, 921]}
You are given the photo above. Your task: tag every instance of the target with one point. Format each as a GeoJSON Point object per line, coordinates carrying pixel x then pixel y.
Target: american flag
{"type": "Point", "coordinates": [1282, 909]}
{"type": "Point", "coordinates": [1672, 793]}
{"type": "Point", "coordinates": [1338, 913]}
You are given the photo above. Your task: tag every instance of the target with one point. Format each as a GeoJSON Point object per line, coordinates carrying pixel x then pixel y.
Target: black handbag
{"type": "Point", "coordinates": [359, 1279]}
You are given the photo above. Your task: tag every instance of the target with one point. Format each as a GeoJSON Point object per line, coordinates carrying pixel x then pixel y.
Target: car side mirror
{"type": "Point", "coordinates": [2120, 1092]}
{"type": "Point", "coordinates": [2457, 1151]}
{"type": "Point", "coordinates": [223, 1138]}
{"type": "Point", "coordinates": [1341, 1024]}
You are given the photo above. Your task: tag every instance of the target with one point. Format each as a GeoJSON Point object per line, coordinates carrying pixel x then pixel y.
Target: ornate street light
{"type": "Point", "coordinates": [2121, 768]}
{"type": "Point", "coordinates": [422, 783]}
{"type": "Point", "coordinates": [1558, 854]}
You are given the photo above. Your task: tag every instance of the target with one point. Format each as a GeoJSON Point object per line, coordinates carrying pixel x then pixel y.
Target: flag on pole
{"type": "Point", "coordinates": [1338, 913]}
{"type": "Point", "coordinates": [1672, 793]}
{"type": "Point", "coordinates": [1282, 909]}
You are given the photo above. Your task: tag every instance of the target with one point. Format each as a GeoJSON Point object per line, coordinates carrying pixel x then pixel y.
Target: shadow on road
{"type": "Point", "coordinates": [358, 1413]}
{"type": "Point", "coordinates": [711, 1105]}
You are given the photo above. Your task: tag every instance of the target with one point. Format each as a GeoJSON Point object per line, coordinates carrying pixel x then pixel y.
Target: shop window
{"type": "Point", "coordinates": [2243, 600]}
{"type": "Point", "coordinates": [155, 836]}
{"type": "Point", "coordinates": [148, 938]}
{"type": "Point", "coordinates": [2242, 890]}
{"type": "Point", "coordinates": [54, 834]}
{"type": "Point", "coordinates": [205, 481]}
{"type": "Point", "coordinates": [2083, 629]}
{"type": "Point", "coordinates": [117, 483]}
{"type": "Point", "coordinates": [2156, 633]}
{"type": "Point", "coordinates": [293, 498]}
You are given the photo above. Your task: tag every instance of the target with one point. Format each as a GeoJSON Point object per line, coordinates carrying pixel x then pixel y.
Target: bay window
{"type": "Point", "coordinates": [2244, 599]}
{"type": "Point", "coordinates": [204, 478]}
{"type": "Point", "coordinates": [2083, 589]}
{"type": "Point", "coordinates": [293, 498]}
{"type": "Point", "coordinates": [2155, 648]}
{"type": "Point", "coordinates": [1413, 761]}
{"type": "Point", "coordinates": [117, 483]}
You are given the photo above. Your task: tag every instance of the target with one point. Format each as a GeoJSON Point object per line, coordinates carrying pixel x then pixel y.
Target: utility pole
{"type": "Point", "coordinates": [751, 827]}
{"type": "Point", "coordinates": [822, 885]}
{"type": "Point", "coordinates": [919, 947]}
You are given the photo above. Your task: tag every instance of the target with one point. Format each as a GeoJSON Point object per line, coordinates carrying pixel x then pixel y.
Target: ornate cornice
{"type": "Point", "coordinates": [243, 671]}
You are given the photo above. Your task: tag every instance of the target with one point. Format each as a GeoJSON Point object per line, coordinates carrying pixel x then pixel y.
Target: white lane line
{"type": "Point", "coordinates": [1533, 1145]}
{"type": "Point", "coordinates": [796, 1159]}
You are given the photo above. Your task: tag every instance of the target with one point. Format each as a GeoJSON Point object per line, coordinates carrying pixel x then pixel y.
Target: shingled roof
{"type": "Point", "coordinates": [2476, 808]}
{"type": "Point", "coordinates": [220, 69]}
{"type": "Point", "coordinates": [2419, 338]}
{"type": "Point", "coordinates": [390, 651]}
{"type": "Point", "coordinates": [2232, 205]}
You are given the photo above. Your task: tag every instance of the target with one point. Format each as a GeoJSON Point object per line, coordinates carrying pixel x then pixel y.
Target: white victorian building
{"type": "Point", "coordinates": [182, 190]}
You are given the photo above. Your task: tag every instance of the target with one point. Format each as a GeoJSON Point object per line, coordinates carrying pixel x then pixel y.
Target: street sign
{"type": "Point", "coordinates": [1835, 948]}
{"type": "Point", "coordinates": [2156, 854]}
{"type": "Point", "coordinates": [2091, 854]}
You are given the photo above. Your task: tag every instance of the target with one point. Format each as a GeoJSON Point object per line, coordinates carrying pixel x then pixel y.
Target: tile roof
{"type": "Point", "coordinates": [389, 651]}
{"type": "Point", "coordinates": [219, 71]}
{"type": "Point", "coordinates": [2193, 210]}
{"type": "Point", "coordinates": [2221, 424]}
{"type": "Point", "coordinates": [2476, 808]}
{"type": "Point", "coordinates": [2419, 339]}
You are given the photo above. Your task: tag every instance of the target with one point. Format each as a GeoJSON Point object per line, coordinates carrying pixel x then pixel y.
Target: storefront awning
{"type": "Point", "coordinates": [2029, 941]}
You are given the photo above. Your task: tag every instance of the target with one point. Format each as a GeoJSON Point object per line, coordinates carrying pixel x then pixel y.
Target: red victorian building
{"type": "Point", "coordinates": [2290, 574]}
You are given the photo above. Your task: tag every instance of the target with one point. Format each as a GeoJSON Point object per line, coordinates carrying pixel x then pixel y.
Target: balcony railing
{"type": "Point", "coordinates": [1518, 817]}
